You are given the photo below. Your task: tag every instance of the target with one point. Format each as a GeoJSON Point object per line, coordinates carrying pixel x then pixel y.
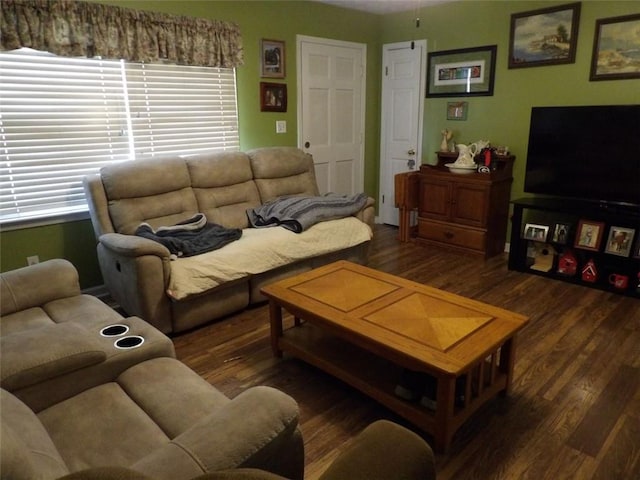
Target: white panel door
{"type": "Point", "coordinates": [403, 84]}
{"type": "Point", "coordinates": [331, 111]}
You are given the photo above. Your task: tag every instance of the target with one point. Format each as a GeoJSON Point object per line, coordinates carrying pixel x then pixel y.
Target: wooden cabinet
{"type": "Point", "coordinates": [468, 211]}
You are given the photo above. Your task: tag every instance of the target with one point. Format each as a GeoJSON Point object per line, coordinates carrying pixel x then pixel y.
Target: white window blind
{"type": "Point", "coordinates": [63, 118]}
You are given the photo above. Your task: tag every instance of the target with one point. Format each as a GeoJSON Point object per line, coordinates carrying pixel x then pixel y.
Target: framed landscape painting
{"type": "Point", "coordinates": [544, 37]}
{"type": "Point", "coordinates": [616, 48]}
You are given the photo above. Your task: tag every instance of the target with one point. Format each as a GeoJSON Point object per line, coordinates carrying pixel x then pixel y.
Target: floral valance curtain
{"type": "Point", "coordinates": [75, 28]}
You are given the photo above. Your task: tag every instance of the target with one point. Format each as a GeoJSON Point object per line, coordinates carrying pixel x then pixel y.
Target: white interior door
{"type": "Point", "coordinates": [331, 85]}
{"type": "Point", "coordinates": [403, 88]}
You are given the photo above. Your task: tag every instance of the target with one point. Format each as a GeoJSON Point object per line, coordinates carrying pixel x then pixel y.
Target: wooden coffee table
{"type": "Point", "coordinates": [364, 327]}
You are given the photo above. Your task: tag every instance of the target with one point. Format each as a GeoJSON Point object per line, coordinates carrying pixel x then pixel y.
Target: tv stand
{"type": "Point", "coordinates": [605, 268]}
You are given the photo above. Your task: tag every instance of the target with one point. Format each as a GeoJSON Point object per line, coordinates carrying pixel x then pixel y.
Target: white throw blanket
{"type": "Point", "coordinates": [260, 250]}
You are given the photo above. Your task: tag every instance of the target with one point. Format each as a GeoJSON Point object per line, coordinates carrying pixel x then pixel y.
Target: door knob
{"type": "Point", "coordinates": [411, 152]}
{"type": "Point", "coordinates": [307, 144]}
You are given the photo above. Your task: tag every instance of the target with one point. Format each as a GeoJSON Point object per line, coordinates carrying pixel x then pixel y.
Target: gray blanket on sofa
{"type": "Point", "coordinates": [299, 213]}
{"type": "Point", "coordinates": [190, 237]}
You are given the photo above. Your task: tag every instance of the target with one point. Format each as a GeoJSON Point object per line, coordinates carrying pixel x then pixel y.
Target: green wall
{"type": "Point", "coordinates": [502, 118]}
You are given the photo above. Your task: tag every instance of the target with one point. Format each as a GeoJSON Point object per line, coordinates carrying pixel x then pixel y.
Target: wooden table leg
{"type": "Point", "coordinates": [507, 362]}
{"type": "Point", "coordinates": [275, 317]}
{"type": "Point", "coordinates": [444, 412]}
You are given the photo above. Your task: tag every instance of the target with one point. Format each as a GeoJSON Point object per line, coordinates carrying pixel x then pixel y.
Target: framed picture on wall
{"type": "Point", "coordinates": [273, 97]}
{"type": "Point", "coordinates": [457, 110]}
{"type": "Point", "coordinates": [272, 61]}
{"type": "Point", "coordinates": [547, 36]}
{"type": "Point", "coordinates": [615, 48]}
{"type": "Point", "coordinates": [461, 73]}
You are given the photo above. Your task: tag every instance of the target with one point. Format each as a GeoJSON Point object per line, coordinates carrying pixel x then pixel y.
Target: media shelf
{"type": "Point", "coordinates": [540, 247]}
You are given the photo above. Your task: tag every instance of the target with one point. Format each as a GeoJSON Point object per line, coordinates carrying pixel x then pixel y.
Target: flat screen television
{"type": "Point", "coordinates": [585, 152]}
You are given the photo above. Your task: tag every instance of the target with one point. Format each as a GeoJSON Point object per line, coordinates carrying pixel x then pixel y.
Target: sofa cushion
{"type": "Point", "coordinates": [280, 171]}
{"type": "Point", "coordinates": [24, 320]}
{"type": "Point", "coordinates": [27, 450]}
{"type": "Point", "coordinates": [156, 191]}
{"type": "Point", "coordinates": [161, 404]}
{"type": "Point", "coordinates": [36, 285]}
{"type": "Point", "coordinates": [126, 433]}
{"type": "Point", "coordinates": [260, 250]}
{"type": "Point", "coordinates": [223, 186]}
{"type": "Point", "coordinates": [36, 355]}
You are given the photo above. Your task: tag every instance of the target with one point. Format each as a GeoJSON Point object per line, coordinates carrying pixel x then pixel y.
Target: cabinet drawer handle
{"type": "Point", "coordinates": [449, 235]}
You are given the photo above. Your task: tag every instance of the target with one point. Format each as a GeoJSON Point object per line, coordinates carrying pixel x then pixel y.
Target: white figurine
{"type": "Point", "coordinates": [446, 136]}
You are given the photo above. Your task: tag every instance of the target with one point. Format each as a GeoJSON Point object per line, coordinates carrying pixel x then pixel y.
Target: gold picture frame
{"type": "Point", "coordinates": [272, 58]}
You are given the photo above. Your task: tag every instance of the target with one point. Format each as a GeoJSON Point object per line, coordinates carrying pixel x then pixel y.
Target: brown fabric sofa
{"type": "Point", "coordinates": [71, 400]}
{"type": "Point", "coordinates": [140, 273]}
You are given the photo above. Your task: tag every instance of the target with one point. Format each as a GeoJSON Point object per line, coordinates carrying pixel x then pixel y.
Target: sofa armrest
{"type": "Point", "coordinates": [38, 284]}
{"type": "Point", "coordinates": [136, 271]}
{"type": "Point", "coordinates": [132, 245]}
{"type": "Point", "coordinates": [368, 213]}
{"type": "Point", "coordinates": [384, 450]}
{"type": "Point", "coordinates": [249, 431]}
{"type": "Point", "coordinates": [33, 356]}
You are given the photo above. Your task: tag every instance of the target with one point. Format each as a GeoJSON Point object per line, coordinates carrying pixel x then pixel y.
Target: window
{"type": "Point", "coordinates": [64, 118]}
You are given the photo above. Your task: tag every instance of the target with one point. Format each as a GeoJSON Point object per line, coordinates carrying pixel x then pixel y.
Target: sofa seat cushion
{"type": "Point", "coordinates": [126, 432]}
{"type": "Point", "coordinates": [260, 250]}
{"type": "Point", "coordinates": [166, 405]}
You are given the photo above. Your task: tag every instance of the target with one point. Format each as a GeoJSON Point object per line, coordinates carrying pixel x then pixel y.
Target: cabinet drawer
{"type": "Point", "coordinates": [452, 234]}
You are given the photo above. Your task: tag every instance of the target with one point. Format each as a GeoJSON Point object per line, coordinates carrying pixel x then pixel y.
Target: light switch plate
{"type": "Point", "coordinates": [281, 126]}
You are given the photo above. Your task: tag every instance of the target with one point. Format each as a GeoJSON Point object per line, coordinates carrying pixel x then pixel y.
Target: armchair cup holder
{"type": "Point", "coordinates": [126, 343]}
{"type": "Point", "coordinates": [114, 330]}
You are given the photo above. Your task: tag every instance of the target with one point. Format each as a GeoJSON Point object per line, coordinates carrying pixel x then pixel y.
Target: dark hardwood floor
{"type": "Point", "coordinates": [574, 412]}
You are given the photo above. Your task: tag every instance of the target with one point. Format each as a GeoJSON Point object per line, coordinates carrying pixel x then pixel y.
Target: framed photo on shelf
{"type": "Point", "coordinates": [535, 232]}
{"type": "Point", "coordinates": [589, 235]}
{"type": "Point", "coordinates": [620, 241]}
{"type": "Point", "coordinates": [273, 97]}
{"type": "Point", "coordinates": [272, 60]}
{"type": "Point", "coordinates": [614, 45]}
{"type": "Point", "coordinates": [461, 73]}
{"type": "Point", "coordinates": [547, 36]}
{"type": "Point", "coordinates": [561, 233]}
{"type": "Point", "coordinates": [636, 249]}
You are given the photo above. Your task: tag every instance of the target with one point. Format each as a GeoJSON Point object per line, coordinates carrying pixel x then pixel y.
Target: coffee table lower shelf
{"type": "Point", "coordinates": [377, 377]}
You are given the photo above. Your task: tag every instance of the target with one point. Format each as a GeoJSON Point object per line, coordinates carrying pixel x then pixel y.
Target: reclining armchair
{"type": "Point", "coordinates": [83, 387]}
{"type": "Point", "coordinates": [383, 451]}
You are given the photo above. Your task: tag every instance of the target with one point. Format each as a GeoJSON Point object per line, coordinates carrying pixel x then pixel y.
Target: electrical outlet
{"type": "Point", "coordinates": [33, 259]}
{"type": "Point", "coordinates": [281, 126]}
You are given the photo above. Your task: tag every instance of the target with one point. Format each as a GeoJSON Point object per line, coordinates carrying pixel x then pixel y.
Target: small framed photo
{"type": "Point", "coordinates": [273, 97]}
{"type": "Point", "coordinates": [561, 233]}
{"type": "Point", "coordinates": [614, 47]}
{"type": "Point", "coordinates": [535, 232]}
{"type": "Point", "coordinates": [620, 241]}
{"type": "Point", "coordinates": [589, 235]}
{"type": "Point", "coordinates": [547, 36]}
{"type": "Point", "coordinates": [272, 61]}
{"type": "Point", "coordinates": [457, 110]}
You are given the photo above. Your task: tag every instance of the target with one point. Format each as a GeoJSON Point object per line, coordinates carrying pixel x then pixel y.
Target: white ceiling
{"type": "Point", "coordinates": [381, 7]}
